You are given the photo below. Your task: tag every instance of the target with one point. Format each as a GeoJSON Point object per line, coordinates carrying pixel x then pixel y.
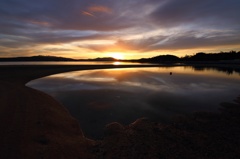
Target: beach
{"type": "Point", "coordinates": [35, 126]}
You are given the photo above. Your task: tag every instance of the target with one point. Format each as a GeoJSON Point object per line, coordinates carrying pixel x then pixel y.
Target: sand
{"type": "Point", "coordinates": [35, 126]}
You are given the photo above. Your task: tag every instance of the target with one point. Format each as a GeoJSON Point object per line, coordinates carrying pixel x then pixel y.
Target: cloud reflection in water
{"type": "Point", "coordinates": [98, 97]}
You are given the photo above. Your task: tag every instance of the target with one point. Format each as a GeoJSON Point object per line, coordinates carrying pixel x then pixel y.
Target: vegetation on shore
{"type": "Point", "coordinates": [198, 57]}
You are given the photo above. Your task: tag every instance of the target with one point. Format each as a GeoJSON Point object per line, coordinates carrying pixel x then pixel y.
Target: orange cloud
{"type": "Point", "coordinates": [90, 11]}
{"type": "Point", "coordinates": [101, 9]}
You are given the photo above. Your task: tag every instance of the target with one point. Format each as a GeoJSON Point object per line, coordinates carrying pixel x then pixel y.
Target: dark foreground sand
{"type": "Point", "coordinates": [34, 126]}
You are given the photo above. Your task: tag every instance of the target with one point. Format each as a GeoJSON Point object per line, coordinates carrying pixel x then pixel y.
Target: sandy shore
{"type": "Point", "coordinates": [34, 126]}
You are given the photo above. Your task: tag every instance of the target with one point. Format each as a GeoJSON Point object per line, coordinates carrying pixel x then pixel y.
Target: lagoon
{"type": "Point", "coordinates": [98, 97]}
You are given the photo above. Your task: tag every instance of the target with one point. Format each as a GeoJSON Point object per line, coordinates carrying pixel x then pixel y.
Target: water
{"type": "Point", "coordinates": [70, 63]}
{"type": "Point", "coordinates": [99, 97]}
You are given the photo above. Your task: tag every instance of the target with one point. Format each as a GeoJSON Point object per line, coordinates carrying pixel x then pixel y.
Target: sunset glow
{"type": "Point", "coordinates": [120, 29]}
{"type": "Point", "coordinates": [118, 56]}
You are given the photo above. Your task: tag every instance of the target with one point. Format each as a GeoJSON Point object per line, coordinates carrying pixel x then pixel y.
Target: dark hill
{"type": "Point", "coordinates": [36, 58]}
{"type": "Point", "coordinates": [52, 58]}
{"type": "Point", "coordinates": [161, 59]}
{"type": "Point", "coordinates": [232, 55]}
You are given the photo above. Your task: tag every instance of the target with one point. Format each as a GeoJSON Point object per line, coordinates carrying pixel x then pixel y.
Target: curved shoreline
{"type": "Point", "coordinates": [34, 125]}
{"type": "Point", "coordinates": [22, 74]}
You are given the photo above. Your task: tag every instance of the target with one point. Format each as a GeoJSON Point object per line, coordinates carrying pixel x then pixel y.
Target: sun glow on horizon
{"type": "Point", "coordinates": [117, 55]}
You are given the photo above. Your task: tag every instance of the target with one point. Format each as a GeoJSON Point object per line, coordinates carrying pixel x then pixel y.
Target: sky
{"type": "Point", "coordinates": [128, 29]}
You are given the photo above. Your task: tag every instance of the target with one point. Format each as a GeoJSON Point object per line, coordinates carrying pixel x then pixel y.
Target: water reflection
{"type": "Point", "coordinates": [227, 70]}
{"type": "Point", "coordinates": [98, 97]}
{"type": "Point", "coordinates": [71, 63]}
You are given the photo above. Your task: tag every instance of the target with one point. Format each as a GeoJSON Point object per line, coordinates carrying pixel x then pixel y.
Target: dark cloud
{"type": "Point", "coordinates": [205, 12]}
{"type": "Point", "coordinates": [65, 14]}
{"type": "Point", "coordinates": [191, 41]}
{"type": "Point", "coordinates": [51, 21]}
{"type": "Point", "coordinates": [107, 15]}
{"type": "Point", "coordinates": [185, 24]}
{"type": "Point", "coordinates": [194, 39]}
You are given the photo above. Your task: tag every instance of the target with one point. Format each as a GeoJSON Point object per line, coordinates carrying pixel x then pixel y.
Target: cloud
{"type": "Point", "coordinates": [99, 9]}
{"type": "Point", "coordinates": [88, 14]}
{"type": "Point", "coordinates": [192, 40]}
{"type": "Point", "coordinates": [96, 9]}
{"type": "Point", "coordinates": [52, 22]}
{"type": "Point", "coordinates": [35, 35]}
{"type": "Point", "coordinates": [205, 12]}
{"type": "Point", "coordinates": [130, 25]}
{"type": "Point", "coordinates": [71, 15]}
{"type": "Point", "coordinates": [63, 14]}
{"type": "Point", "coordinates": [173, 41]}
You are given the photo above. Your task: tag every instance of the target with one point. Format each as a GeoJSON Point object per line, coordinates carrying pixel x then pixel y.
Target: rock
{"type": "Point", "coordinates": [140, 124]}
{"type": "Point", "coordinates": [113, 128]}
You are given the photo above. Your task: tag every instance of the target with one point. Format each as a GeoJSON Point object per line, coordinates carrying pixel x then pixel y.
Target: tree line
{"type": "Point", "coordinates": [201, 56]}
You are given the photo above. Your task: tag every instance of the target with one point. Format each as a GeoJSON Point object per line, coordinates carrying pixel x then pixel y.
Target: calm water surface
{"type": "Point", "coordinates": [69, 63]}
{"type": "Point", "coordinates": [98, 97]}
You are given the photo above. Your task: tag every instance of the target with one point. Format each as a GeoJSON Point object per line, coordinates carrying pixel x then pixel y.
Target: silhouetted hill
{"type": "Point", "coordinates": [101, 59]}
{"type": "Point", "coordinates": [232, 55]}
{"type": "Point", "coordinates": [37, 58]}
{"type": "Point", "coordinates": [52, 58]}
{"type": "Point", "coordinates": [161, 59]}
{"type": "Point", "coordinates": [198, 57]}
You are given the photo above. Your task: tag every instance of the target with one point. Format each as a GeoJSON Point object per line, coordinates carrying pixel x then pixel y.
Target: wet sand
{"type": "Point", "coordinates": [35, 126]}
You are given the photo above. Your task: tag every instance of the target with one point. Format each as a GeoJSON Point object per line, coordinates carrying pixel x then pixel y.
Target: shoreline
{"type": "Point", "coordinates": [34, 125]}
{"type": "Point", "coordinates": [22, 74]}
